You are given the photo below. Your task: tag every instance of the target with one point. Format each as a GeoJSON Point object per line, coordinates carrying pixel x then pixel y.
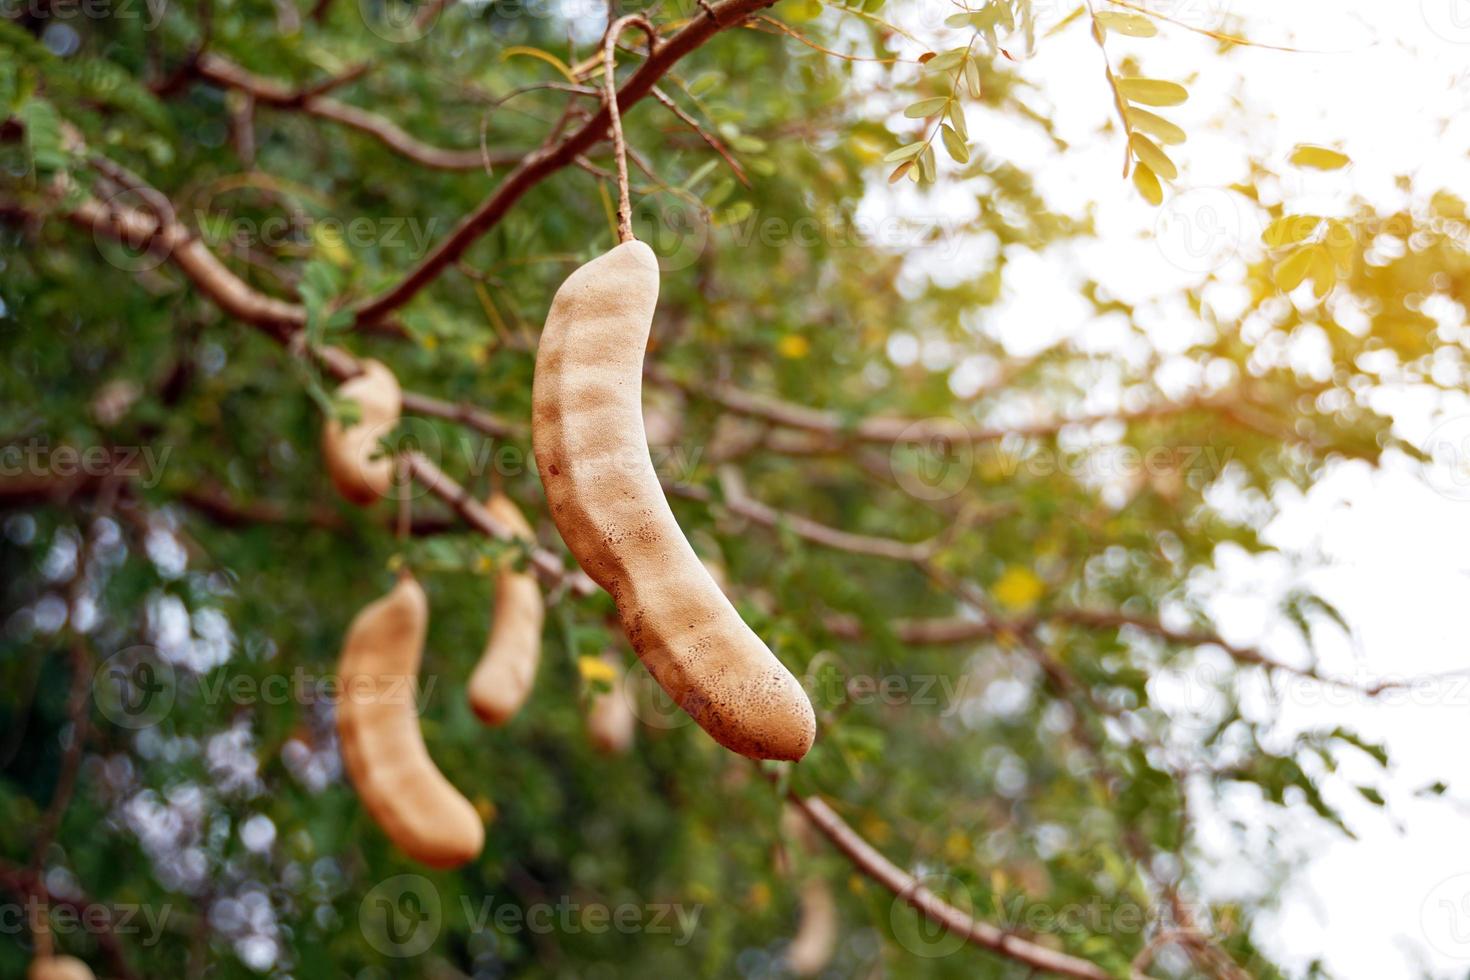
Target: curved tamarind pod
{"type": "Point", "coordinates": [591, 451]}
{"type": "Point", "coordinates": [58, 968]}
{"type": "Point", "coordinates": [350, 452]}
{"type": "Point", "coordinates": [503, 678]}
{"type": "Point", "coordinates": [382, 745]}
{"type": "Point", "coordinates": [611, 723]}
{"type": "Point", "coordinates": [816, 931]}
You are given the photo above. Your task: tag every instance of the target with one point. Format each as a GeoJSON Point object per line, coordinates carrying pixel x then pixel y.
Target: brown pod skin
{"type": "Point", "coordinates": [382, 745]}
{"type": "Point", "coordinates": [592, 453]}
{"type": "Point", "coordinates": [503, 678]}
{"type": "Point", "coordinates": [349, 453]}
{"type": "Point", "coordinates": [611, 723]}
{"type": "Point", "coordinates": [58, 968]}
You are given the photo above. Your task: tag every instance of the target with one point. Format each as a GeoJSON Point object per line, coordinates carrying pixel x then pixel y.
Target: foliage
{"type": "Point", "coordinates": [1031, 769]}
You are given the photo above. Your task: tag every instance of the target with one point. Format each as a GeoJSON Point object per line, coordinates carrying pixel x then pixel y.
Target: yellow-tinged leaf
{"type": "Point", "coordinates": [793, 346]}
{"type": "Point", "coordinates": [957, 119]}
{"type": "Point", "coordinates": [1150, 155]}
{"type": "Point", "coordinates": [1148, 185]}
{"type": "Point", "coordinates": [1156, 126]}
{"type": "Point", "coordinates": [1152, 91]}
{"type": "Point", "coordinates": [526, 51]}
{"type": "Point", "coordinates": [972, 78]}
{"type": "Point", "coordinates": [1293, 269]}
{"type": "Point", "coordinates": [926, 107]}
{"type": "Point", "coordinates": [1318, 157]}
{"type": "Point", "coordinates": [958, 151]}
{"type": "Point", "coordinates": [1290, 229]}
{"type": "Point", "coordinates": [1342, 243]}
{"type": "Point", "coordinates": [596, 669]}
{"type": "Point", "coordinates": [927, 167]}
{"type": "Point", "coordinates": [1324, 271]}
{"type": "Point", "coordinates": [1133, 25]}
{"type": "Point", "coordinates": [900, 170]}
{"type": "Point", "coordinates": [329, 245]}
{"type": "Point", "coordinates": [1018, 588]}
{"type": "Point", "coordinates": [906, 152]}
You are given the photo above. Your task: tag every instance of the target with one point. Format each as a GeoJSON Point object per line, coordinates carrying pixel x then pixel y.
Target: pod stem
{"type": "Point", "coordinates": [610, 91]}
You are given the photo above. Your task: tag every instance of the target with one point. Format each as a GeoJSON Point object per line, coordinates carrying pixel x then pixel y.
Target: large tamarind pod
{"type": "Point", "coordinates": [605, 498]}
{"type": "Point", "coordinates": [360, 473]}
{"type": "Point", "coordinates": [382, 744]}
{"type": "Point", "coordinates": [58, 968]}
{"type": "Point", "coordinates": [503, 678]}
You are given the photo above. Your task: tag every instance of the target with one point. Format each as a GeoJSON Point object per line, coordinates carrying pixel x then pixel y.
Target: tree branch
{"type": "Point", "coordinates": [313, 101]}
{"type": "Point", "coordinates": [872, 863]}
{"type": "Point", "coordinates": [550, 158]}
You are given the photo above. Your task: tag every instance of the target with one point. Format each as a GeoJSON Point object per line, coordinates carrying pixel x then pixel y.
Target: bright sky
{"type": "Point", "coordinates": [1385, 547]}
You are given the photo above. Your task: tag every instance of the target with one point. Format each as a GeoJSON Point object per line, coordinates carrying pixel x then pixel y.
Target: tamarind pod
{"type": "Point", "coordinates": [611, 723]}
{"type": "Point", "coordinates": [360, 473]}
{"type": "Point", "coordinates": [605, 498]}
{"type": "Point", "coordinates": [816, 931]}
{"type": "Point", "coordinates": [503, 678]}
{"type": "Point", "coordinates": [58, 968]}
{"type": "Point", "coordinates": [382, 744]}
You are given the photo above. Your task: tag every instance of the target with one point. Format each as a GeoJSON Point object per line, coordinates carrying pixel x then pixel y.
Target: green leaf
{"type": "Point", "coordinates": [1153, 91]}
{"type": "Point", "coordinates": [1133, 25]}
{"type": "Point", "coordinates": [1318, 157]}
{"type": "Point", "coordinates": [905, 152]}
{"type": "Point", "coordinates": [972, 78]}
{"type": "Point", "coordinates": [926, 107]}
{"type": "Point", "coordinates": [1149, 154]}
{"type": "Point", "coordinates": [957, 119]}
{"type": "Point", "coordinates": [958, 151]}
{"type": "Point", "coordinates": [927, 166]}
{"type": "Point", "coordinates": [1148, 185]}
{"type": "Point", "coordinates": [1156, 126]}
{"type": "Point", "coordinates": [947, 60]}
{"type": "Point", "coordinates": [43, 135]}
